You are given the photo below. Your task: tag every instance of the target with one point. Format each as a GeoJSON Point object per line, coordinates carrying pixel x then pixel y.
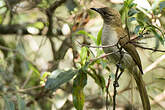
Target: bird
{"type": "Point", "coordinates": [113, 33]}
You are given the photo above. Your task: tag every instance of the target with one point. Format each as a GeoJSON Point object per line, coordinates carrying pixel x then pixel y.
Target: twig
{"type": "Point", "coordinates": [27, 79]}
{"type": "Point", "coordinates": [154, 64]}
{"type": "Point", "coordinates": [49, 12]}
{"type": "Point", "coordinates": [104, 46]}
{"type": "Point", "coordinates": [107, 92]}
{"type": "Point", "coordinates": [8, 49]}
{"type": "Point", "coordinates": [159, 100]}
{"type": "Point", "coordinates": [105, 55]}
{"type": "Point", "coordinates": [149, 48]}
{"type": "Point", "coordinates": [32, 88]}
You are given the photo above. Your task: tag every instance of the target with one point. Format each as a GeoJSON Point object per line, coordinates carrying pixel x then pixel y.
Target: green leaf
{"type": "Point", "coordinates": [34, 69]}
{"type": "Point", "coordinates": [39, 25]}
{"type": "Point", "coordinates": [137, 28]}
{"type": "Point", "coordinates": [162, 5]}
{"type": "Point", "coordinates": [132, 4]}
{"type": "Point", "coordinates": [132, 12]}
{"type": "Point", "coordinates": [78, 86]}
{"type": "Point", "coordinates": [99, 36]}
{"type": "Point", "coordinates": [87, 34]}
{"type": "Point", "coordinates": [161, 78]}
{"type": "Point", "coordinates": [83, 55]}
{"type": "Point", "coordinates": [157, 44]}
{"type": "Point", "coordinates": [44, 75]}
{"type": "Point", "coordinates": [103, 63]}
{"type": "Point", "coordinates": [59, 77]}
{"type": "Point", "coordinates": [131, 19]}
{"type": "Point", "coordinates": [9, 105]}
{"type": "Point", "coordinates": [128, 3]}
{"type": "Point", "coordinates": [98, 78]}
{"type": "Point", "coordinates": [157, 35]}
{"type": "Point", "coordinates": [21, 103]}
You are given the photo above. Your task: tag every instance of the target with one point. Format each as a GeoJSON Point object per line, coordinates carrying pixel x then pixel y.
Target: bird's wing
{"type": "Point", "coordinates": [130, 48]}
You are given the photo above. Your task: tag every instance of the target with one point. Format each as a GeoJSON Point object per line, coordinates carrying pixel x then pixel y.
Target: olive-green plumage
{"type": "Point", "coordinates": [113, 33]}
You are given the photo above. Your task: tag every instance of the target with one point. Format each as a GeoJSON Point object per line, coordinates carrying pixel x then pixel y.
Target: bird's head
{"type": "Point", "coordinates": [109, 15]}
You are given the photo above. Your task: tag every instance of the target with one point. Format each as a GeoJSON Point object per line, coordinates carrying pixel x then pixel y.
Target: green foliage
{"type": "Point", "coordinates": [59, 77]}
{"type": "Point", "coordinates": [38, 25]}
{"type": "Point", "coordinates": [9, 105]}
{"type": "Point", "coordinates": [99, 36]}
{"type": "Point", "coordinates": [22, 68]}
{"type": "Point", "coordinates": [99, 79]}
{"type": "Point", "coordinates": [162, 5]}
{"type": "Point", "coordinates": [83, 55]}
{"type": "Point", "coordinates": [78, 85]}
{"type": "Point", "coordinates": [21, 103]}
{"type": "Point", "coordinates": [88, 35]}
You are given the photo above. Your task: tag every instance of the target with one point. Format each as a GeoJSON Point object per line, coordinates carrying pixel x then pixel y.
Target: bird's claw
{"type": "Point", "coordinates": [116, 84]}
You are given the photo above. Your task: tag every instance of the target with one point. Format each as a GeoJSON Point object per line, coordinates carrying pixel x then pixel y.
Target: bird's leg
{"type": "Point", "coordinates": [122, 70]}
{"type": "Point", "coordinates": [119, 66]}
{"type": "Point", "coordinates": [116, 84]}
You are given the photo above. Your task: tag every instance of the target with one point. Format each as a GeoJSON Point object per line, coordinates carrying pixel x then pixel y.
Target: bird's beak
{"type": "Point", "coordinates": [95, 9]}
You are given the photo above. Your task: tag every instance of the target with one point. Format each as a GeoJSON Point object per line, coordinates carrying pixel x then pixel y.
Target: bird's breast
{"type": "Point", "coordinates": [109, 37]}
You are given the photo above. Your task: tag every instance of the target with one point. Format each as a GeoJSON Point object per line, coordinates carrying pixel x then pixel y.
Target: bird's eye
{"type": "Point", "coordinates": [107, 14]}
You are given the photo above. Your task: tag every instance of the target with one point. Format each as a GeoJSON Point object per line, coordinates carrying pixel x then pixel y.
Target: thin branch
{"type": "Point", "coordinates": [155, 50]}
{"type": "Point", "coordinates": [29, 89]}
{"type": "Point", "coordinates": [104, 46]}
{"type": "Point", "coordinates": [154, 64]}
{"type": "Point", "coordinates": [107, 92]}
{"type": "Point", "coordinates": [8, 49]}
{"type": "Point", "coordinates": [27, 79]}
{"type": "Point", "coordinates": [49, 12]}
{"type": "Point", "coordinates": [159, 99]}
{"type": "Point", "coordinates": [102, 56]}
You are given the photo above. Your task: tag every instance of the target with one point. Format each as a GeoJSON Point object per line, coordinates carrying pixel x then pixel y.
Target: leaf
{"type": "Point", "coordinates": [103, 63]}
{"type": "Point", "coordinates": [128, 3]}
{"type": "Point", "coordinates": [162, 79]}
{"type": "Point", "coordinates": [162, 5]}
{"type": "Point", "coordinates": [39, 25]}
{"type": "Point", "coordinates": [157, 35]}
{"type": "Point", "coordinates": [157, 44]}
{"type": "Point", "coordinates": [9, 105]}
{"type": "Point", "coordinates": [44, 75]}
{"type": "Point", "coordinates": [99, 36]}
{"type": "Point", "coordinates": [137, 28]}
{"type": "Point", "coordinates": [34, 69]}
{"type": "Point", "coordinates": [78, 85]}
{"type": "Point", "coordinates": [83, 55]}
{"type": "Point", "coordinates": [99, 79]}
{"type": "Point", "coordinates": [131, 19]}
{"type": "Point", "coordinates": [59, 77]}
{"type": "Point", "coordinates": [87, 34]}
{"type": "Point", "coordinates": [132, 12]}
{"type": "Point", "coordinates": [21, 103]}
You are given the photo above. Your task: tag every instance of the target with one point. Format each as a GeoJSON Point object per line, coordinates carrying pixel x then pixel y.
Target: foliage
{"type": "Point", "coordinates": [46, 54]}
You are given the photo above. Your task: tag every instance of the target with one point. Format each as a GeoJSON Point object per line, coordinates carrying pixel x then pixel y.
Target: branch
{"type": "Point", "coordinates": [13, 29]}
{"type": "Point", "coordinates": [159, 99]}
{"type": "Point", "coordinates": [7, 49]}
{"type": "Point", "coordinates": [104, 46]}
{"type": "Point", "coordinates": [155, 50]}
{"type": "Point", "coordinates": [105, 55]}
{"type": "Point", "coordinates": [49, 12]}
{"type": "Point", "coordinates": [154, 64]}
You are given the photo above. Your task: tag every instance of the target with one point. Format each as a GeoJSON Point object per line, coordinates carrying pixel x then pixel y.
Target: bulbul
{"type": "Point", "coordinates": [114, 33]}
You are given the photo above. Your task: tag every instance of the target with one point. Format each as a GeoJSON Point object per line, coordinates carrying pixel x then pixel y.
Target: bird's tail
{"type": "Point", "coordinates": [142, 90]}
